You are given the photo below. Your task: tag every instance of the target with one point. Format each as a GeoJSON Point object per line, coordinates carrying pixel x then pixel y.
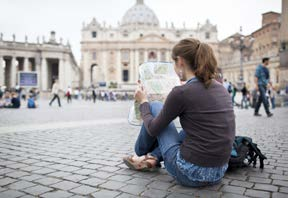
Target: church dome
{"type": "Point", "coordinates": [140, 15]}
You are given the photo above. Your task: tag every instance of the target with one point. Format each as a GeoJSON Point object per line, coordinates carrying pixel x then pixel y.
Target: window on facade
{"type": "Point", "coordinates": [141, 35]}
{"type": "Point", "coordinates": [207, 35]}
{"type": "Point", "coordinates": [111, 35]}
{"type": "Point", "coordinates": [94, 34]}
{"type": "Point", "coordinates": [163, 56]}
{"type": "Point", "coordinates": [94, 55]}
{"type": "Point", "coordinates": [125, 56]}
{"type": "Point", "coordinates": [141, 57]}
{"type": "Point", "coordinates": [163, 35]}
{"type": "Point", "coordinates": [125, 75]}
{"type": "Point", "coordinates": [125, 34]}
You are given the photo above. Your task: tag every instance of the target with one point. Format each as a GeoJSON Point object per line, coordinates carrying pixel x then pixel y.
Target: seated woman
{"type": "Point", "coordinates": [199, 154]}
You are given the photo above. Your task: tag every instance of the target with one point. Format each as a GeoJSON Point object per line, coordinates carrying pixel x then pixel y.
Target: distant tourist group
{"type": "Point", "coordinates": [11, 98]}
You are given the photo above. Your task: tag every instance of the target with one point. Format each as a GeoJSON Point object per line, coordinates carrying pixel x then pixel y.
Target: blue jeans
{"type": "Point", "coordinates": [165, 147]}
{"type": "Point", "coordinates": [262, 99]}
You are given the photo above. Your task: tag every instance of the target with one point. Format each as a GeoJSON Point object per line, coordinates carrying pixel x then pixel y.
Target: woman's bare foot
{"type": "Point", "coordinates": [138, 159]}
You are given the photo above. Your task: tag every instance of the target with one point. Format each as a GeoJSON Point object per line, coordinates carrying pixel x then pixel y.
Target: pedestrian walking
{"type": "Point", "coordinates": [94, 94]}
{"type": "Point", "coordinates": [69, 94]}
{"type": "Point", "coordinates": [55, 92]}
{"type": "Point", "coordinates": [262, 77]}
{"type": "Point", "coordinates": [244, 91]}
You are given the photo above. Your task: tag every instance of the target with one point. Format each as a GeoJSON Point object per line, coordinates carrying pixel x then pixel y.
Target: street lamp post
{"type": "Point", "coordinates": [239, 42]}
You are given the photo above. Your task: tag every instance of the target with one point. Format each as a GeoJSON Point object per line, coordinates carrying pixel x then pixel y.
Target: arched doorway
{"type": "Point", "coordinates": [91, 73]}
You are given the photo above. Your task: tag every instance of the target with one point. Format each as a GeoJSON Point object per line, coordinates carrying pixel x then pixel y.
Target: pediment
{"type": "Point", "coordinates": [152, 38]}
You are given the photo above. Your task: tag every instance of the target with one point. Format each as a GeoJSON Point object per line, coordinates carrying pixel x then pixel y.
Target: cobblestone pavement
{"type": "Point", "coordinates": [77, 151]}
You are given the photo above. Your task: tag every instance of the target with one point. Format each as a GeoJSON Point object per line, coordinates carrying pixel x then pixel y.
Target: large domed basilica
{"type": "Point", "coordinates": [113, 54]}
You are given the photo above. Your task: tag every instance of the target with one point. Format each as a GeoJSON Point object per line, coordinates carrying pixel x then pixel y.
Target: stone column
{"type": "Point", "coordinates": [104, 66]}
{"type": "Point", "coordinates": [44, 74]}
{"type": "Point", "coordinates": [119, 67]}
{"type": "Point", "coordinates": [168, 55]}
{"type": "Point", "coordinates": [2, 81]}
{"type": "Point", "coordinates": [132, 65]}
{"type": "Point", "coordinates": [145, 55]}
{"type": "Point", "coordinates": [26, 64]}
{"type": "Point", "coordinates": [38, 70]}
{"type": "Point", "coordinates": [61, 74]}
{"type": "Point", "coordinates": [158, 58]}
{"type": "Point", "coordinates": [136, 65]}
{"type": "Point", "coordinates": [13, 72]}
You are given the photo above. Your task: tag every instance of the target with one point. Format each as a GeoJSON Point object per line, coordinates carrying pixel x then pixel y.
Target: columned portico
{"type": "Point", "coordinates": [13, 72]}
{"type": "Point", "coordinates": [62, 71]}
{"type": "Point", "coordinates": [26, 64]}
{"type": "Point", "coordinates": [1, 71]}
{"type": "Point", "coordinates": [44, 74]}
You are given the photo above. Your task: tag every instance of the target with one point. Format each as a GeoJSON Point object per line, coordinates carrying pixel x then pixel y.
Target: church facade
{"type": "Point", "coordinates": [113, 54]}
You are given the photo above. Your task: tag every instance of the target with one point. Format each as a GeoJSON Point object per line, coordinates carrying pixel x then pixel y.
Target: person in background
{"type": "Point", "coordinates": [94, 94]}
{"type": "Point", "coordinates": [7, 98]}
{"type": "Point", "coordinates": [234, 92]}
{"type": "Point", "coordinates": [244, 91]}
{"type": "Point", "coordinates": [226, 84]}
{"type": "Point", "coordinates": [55, 92]}
{"type": "Point", "coordinates": [23, 94]}
{"type": "Point", "coordinates": [262, 77]}
{"type": "Point", "coordinates": [15, 101]}
{"type": "Point", "coordinates": [272, 94]}
{"type": "Point", "coordinates": [31, 103]}
{"type": "Point", "coordinates": [1, 92]}
{"type": "Point", "coordinates": [69, 94]}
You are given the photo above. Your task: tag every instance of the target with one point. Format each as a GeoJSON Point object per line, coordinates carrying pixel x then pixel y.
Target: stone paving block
{"type": "Point", "coordinates": [125, 195]}
{"type": "Point", "coordinates": [93, 181]}
{"type": "Point", "coordinates": [17, 174]}
{"type": "Point", "coordinates": [6, 180]}
{"type": "Point", "coordinates": [30, 168]}
{"type": "Point", "coordinates": [105, 193]}
{"type": "Point", "coordinates": [139, 181]}
{"type": "Point", "coordinates": [283, 190]}
{"type": "Point", "coordinates": [17, 165]}
{"type": "Point", "coordinates": [84, 171]}
{"type": "Point", "coordinates": [231, 195]}
{"type": "Point", "coordinates": [102, 174]}
{"type": "Point", "coordinates": [21, 185]}
{"type": "Point", "coordinates": [279, 195]}
{"type": "Point", "coordinates": [125, 171]}
{"type": "Point", "coordinates": [133, 189]}
{"type": "Point", "coordinates": [178, 195]}
{"type": "Point", "coordinates": [164, 178]}
{"type": "Point", "coordinates": [109, 169]}
{"type": "Point", "coordinates": [257, 193]}
{"type": "Point", "coordinates": [75, 178]}
{"type": "Point", "coordinates": [244, 184]}
{"type": "Point", "coordinates": [154, 193]}
{"type": "Point", "coordinates": [112, 185]}
{"type": "Point", "coordinates": [259, 174]}
{"type": "Point", "coordinates": [280, 183]}
{"type": "Point", "coordinates": [57, 194]}
{"type": "Point", "coordinates": [65, 185]}
{"type": "Point", "coordinates": [30, 161]}
{"type": "Point", "coordinates": [59, 174]}
{"type": "Point", "coordinates": [69, 168]}
{"type": "Point", "coordinates": [3, 189]}
{"type": "Point", "coordinates": [32, 177]}
{"type": "Point", "coordinates": [92, 166]}
{"type": "Point", "coordinates": [11, 194]}
{"type": "Point", "coordinates": [260, 180]}
{"type": "Point", "coordinates": [37, 190]}
{"type": "Point", "coordinates": [279, 177]}
{"type": "Point", "coordinates": [27, 196]}
{"type": "Point", "coordinates": [266, 187]}
{"type": "Point", "coordinates": [6, 170]}
{"type": "Point", "coordinates": [44, 171]}
{"type": "Point", "coordinates": [160, 185]}
{"type": "Point", "coordinates": [120, 178]}
{"type": "Point", "coordinates": [84, 190]}
{"type": "Point", "coordinates": [48, 181]}
{"type": "Point", "coordinates": [233, 189]}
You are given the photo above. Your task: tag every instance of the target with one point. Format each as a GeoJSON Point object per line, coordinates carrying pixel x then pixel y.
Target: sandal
{"type": "Point", "coordinates": [143, 165]}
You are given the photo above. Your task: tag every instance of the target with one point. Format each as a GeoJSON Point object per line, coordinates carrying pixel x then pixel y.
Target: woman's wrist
{"type": "Point", "coordinates": [143, 101]}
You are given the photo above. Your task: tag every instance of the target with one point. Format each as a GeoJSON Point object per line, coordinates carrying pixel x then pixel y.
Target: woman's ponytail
{"type": "Point", "coordinates": [199, 56]}
{"type": "Point", "coordinates": [205, 63]}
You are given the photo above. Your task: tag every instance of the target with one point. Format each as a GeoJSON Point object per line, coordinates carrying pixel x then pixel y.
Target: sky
{"type": "Point", "coordinates": [38, 17]}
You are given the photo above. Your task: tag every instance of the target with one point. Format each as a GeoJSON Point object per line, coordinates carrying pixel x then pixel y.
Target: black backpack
{"type": "Point", "coordinates": [244, 152]}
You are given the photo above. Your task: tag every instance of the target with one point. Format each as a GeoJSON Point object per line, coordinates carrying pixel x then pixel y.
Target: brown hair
{"type": "Point", "coordinates": [199, 56]}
